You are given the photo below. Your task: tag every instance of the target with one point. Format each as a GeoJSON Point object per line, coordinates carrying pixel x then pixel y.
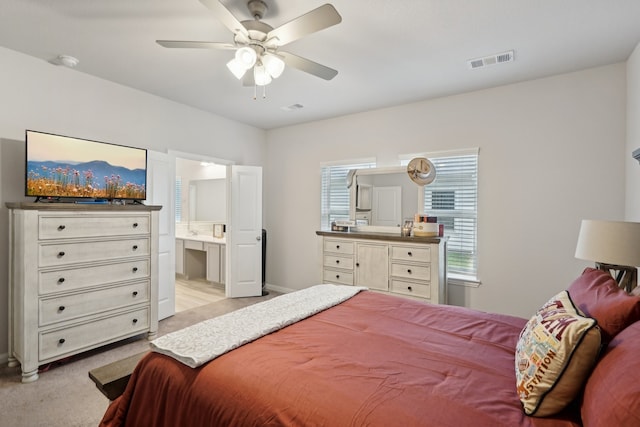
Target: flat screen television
{"type": "Point", "coordinates": [60, 167]}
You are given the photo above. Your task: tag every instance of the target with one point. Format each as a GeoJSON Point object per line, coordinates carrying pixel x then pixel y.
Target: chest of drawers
{"type": "Point", "coordinates": [80, 277]}
{"type": "Point", "coordinates": [411, 267]}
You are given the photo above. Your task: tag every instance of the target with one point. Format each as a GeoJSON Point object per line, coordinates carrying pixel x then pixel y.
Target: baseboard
{"type": "Point", "coordinates": [280, 289]}
{"type": "Point", "coordinates": [4, 358]}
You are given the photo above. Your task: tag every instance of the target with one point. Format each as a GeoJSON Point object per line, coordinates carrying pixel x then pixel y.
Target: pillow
{"type": "Point", "coordinates": [554, 355]}
{"type": "Point", "coordinates": [612, 393]}
{"type": "Point", "coordinates": [597, 295]}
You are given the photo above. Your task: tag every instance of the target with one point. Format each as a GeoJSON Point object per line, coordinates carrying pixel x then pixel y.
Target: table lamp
{"type": "Point", "coordinates": [614, 246]}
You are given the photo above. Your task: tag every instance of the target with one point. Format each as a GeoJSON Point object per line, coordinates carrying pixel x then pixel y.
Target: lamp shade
{"type": "Point", "coordinates": [246, 56]}
{"type": "Point", "coordinates": [609, 242]}
{"type": "Point", "coordinates": [273, 65]}
{"type": "Point", "coordinates": [260, 75]}
{"type": "Point", "coordinates": [237, 68]}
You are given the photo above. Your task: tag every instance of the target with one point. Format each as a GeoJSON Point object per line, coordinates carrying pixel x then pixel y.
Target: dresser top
{"type": "Point", "coordinates": [372, 235]}
{"type": "Point", "coordinates": [47, 206]}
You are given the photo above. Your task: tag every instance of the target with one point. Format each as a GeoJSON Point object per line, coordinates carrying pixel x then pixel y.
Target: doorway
{"type": "Point", "coordinates": [200, 213]}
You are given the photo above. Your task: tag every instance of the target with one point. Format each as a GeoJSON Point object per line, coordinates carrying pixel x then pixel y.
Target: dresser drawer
{"type": "Point", "coordinates": [409, 271]}
{"type": "Point", "coordinates": [194, 244]}
{"type": "Point", "coordinates": [85, 277]}
{"type": "Point", "coordinates": [409, 288]}
{"type": "Point", "coordinates": [69, 253]}
{"type": "Point", "coordinates": [52, 310]}
{"type": "Point", "coordinates": [336, 276]}
{"type": "Point", "coordinates": [338, 246]}
{"type": "Point", "coordinates": [66, 227]}
{"type": "Point", "coordinates": [411, 253]}
{"type": "Point", "coordinates": [53, 344]}
{"type": "Point", "coordinates": [338, 262]}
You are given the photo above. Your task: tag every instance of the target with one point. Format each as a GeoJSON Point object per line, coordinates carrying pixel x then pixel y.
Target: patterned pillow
{"type": "Point", "coordinates": [555, 354]}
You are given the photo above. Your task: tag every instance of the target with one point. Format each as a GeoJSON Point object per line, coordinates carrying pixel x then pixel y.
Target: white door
{"type": "Point", "coordinates": [161, 174]}
{"type": "Point", "coordinates": [387, 206]}
{"type": "Point", "coordinates": [244, 231]}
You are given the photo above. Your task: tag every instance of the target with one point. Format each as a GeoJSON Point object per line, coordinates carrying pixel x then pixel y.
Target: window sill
{"type": "Point", "coordinates": [469, 282]}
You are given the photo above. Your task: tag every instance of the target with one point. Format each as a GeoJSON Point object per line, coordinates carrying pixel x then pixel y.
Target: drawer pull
{"type": "Point", "coordinates": [135, 269]}
{"type": "Point", "coordinates": [135, 293]}
{"type": "Point", "coordinates": [409, 288]}
{"type": "Point", "coordinates": [135, 247]}
{"type": "Point", "coordinates": [61, 341]}
{"type": "Point", "coordinates": [337, 261]}
{"type": "Point", "coordinates": [357, 264]}
{"type": "Point", "coordinates": [409, 253]}
{"type": "Point", "coordinates": [61, 280]}
{"type": "Point", "coordinates": [60, 254]}
{"type": "Point", "coordinates": [61, 308]}
{"type": "Point", "coordinates": [135, 321]}
{"type": "Point", "coordinates": [409, 270]}
{"type": "Point", "coordinates": [61, 227]}
{"type": "Point", "coordinates": [135, 225]}
{"type": "Point", "coordinates": [337, 246]}
{"type": "Point", "coordinates": [337, 276]}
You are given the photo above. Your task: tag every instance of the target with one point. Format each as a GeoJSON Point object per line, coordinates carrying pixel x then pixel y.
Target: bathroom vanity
{"type": "Point", "coordinates": [201, 257]}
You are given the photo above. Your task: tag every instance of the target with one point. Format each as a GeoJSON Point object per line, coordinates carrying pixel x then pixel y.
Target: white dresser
{"type": "Point", "coordinates": [81, 276]}
{"type": "Point", "coordinates": [406, 266]}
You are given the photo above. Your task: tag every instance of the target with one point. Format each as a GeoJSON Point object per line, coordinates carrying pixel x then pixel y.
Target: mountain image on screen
{"type": "Point", "coordinates": [94, 179]}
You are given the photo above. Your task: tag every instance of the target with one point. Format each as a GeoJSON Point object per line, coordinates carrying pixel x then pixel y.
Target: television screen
{"type": "Point", "coordinates": [60, 166]}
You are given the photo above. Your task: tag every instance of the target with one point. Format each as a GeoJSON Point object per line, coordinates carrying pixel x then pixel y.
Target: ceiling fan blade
{"type": "Point", "coordinates": [195, 45]}
{"type": "Point", "coordinates": [226, 17]}
{"type": "Point", "coordinates": [318, 19]}
{"type": "Point", "coordinates": [307, 65]}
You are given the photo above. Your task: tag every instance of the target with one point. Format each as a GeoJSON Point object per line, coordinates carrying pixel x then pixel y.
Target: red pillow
{"type": "Point", "coordinates": [597, 295]}
{"type": "Point", "coordinates": [612, 393]}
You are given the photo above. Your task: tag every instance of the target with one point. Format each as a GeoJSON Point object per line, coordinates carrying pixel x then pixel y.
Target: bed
{"type": "Point", "coordinates": [380, 360]}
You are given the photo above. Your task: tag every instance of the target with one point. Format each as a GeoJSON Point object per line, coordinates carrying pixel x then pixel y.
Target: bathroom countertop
{"type": "Point", "coordinates": [202, 238]}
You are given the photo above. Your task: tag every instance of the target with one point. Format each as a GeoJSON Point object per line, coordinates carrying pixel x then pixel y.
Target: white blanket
{"type": "Point", "coordinates": [204, 341]}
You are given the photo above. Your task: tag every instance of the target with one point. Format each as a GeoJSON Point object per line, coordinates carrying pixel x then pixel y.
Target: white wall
{"type": "Point", "coordinates": [632, 211]}
{"type": "Point", "coordinates": [552, 152]}
{"type": "Point", "coordinates": [37, 95]}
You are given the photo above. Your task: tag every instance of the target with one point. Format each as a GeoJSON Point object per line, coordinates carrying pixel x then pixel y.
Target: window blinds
{"type": "Point", "coordinates": [453, 198]}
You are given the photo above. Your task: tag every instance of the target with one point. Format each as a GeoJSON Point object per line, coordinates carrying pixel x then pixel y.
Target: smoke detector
{"type": "Point", "coordinates": [498, 58]}
{"type": "Point", "coordinates": [67, 60]}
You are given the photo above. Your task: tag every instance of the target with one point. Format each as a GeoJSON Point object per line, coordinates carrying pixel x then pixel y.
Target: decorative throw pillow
{"type": "Point", "coordinates": [597, 295]}
{"type": "Point", "coordinates": [612, 393]}
{"type": "Point", "coordinates": [555, 354]}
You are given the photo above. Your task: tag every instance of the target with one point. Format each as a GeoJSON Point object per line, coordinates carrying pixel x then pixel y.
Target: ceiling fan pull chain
{"type": "Point", "coordinates": [264, 91]}
{"type": "Point", "coordinates": [255, 92]}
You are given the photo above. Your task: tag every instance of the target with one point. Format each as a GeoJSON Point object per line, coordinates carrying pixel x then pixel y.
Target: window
{"type": "Point", "coordinates": [178, 199]}
{"type": "Point", "coordinates": [334, 203]}
{"type": "Point", "coordinates": [453, 198]}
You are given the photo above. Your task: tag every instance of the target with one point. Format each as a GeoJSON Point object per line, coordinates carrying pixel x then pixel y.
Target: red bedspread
{"type": "Point", "coordinates": [373, 360]}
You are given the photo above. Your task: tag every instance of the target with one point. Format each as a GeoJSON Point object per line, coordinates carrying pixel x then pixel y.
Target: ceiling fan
{"type": "Point", "coordinates": [257, 44]}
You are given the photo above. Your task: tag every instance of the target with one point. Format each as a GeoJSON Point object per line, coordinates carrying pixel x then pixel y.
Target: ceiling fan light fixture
{"type": "Point", "coordinates": [237, 68]}
{"type": "Point", "coordinates": [261, 76]}
{"type": "Point", "coordinates": [246, 56]}
{"type": "Point", "coordinates": [273, 64]}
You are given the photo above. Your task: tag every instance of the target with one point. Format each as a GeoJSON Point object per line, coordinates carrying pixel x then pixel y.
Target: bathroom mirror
{"type": "Point", "coordinates": [208, 200]}
{"type": "Point", "coordinates": [383, 197]}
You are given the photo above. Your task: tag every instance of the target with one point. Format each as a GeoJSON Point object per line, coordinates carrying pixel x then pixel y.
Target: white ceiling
{"type": "Point", "coordinates": [387, 52]}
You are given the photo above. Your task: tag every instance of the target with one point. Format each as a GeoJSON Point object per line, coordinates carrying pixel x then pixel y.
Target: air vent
{"type": "Point", "coordinates": [293, 107]}
{"type": "Point", "coordinates": [498, 58]}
